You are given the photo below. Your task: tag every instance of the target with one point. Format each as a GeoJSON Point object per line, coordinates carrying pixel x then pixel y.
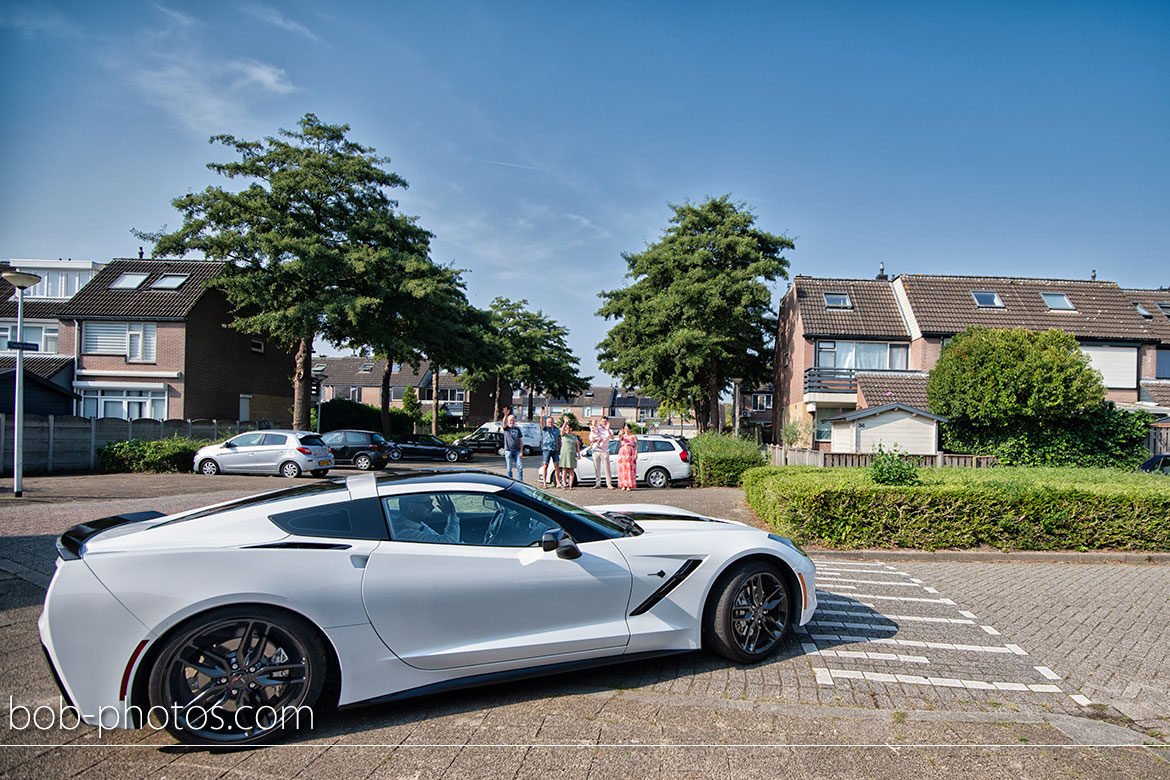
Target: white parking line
{"type": "Point", "coordinates": [967, 614]}
{"type": "Point", "coordinates": [1044, 670]}
{"type": "Point", "coordinates": [938, 682]}
{"type": "Point", "coordinates": [866, 656]}
{"type": "Point", "coordinates": [835, 580]}
{"type": "Point", "coordinates": [903, 598]}
{"type": "Point", "coordinates": [838, 569]}
{"type": "Point", "coordinates": [1016, 649]}
{"type": "Point", "coordinates": [915, 643]}
{"type": "Point", "coordinates": [1080, 699]}
{"type": "Point", "coordinates": [990, 630]}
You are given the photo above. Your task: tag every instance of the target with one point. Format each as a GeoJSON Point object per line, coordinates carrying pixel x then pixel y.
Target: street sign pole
{"type": "Point", "coordinates": [18, 448]}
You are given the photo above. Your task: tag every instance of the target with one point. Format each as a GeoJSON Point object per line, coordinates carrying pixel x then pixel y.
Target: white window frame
{"type": "Point", "coordinates": [847, 304]}
{"type": "Point", "coordinates": [50, 332]}
{"type": "Point", "coordinates": [1044, 296]}
{"type": "Point", "coordinates": [996, 301]}
{"type": "Point", "coordinates": [169, 281]}
{"type": "Point", "coordinates": [129, 280]}
{"type": "Point", "coordinates": [155, 400]}
{"type": "Point", "coordinates": [138, 340]}
{"type": "Point", "coordinates": [761, 402]}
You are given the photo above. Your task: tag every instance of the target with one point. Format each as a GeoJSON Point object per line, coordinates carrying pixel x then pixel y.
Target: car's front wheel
{"type": "Point", "coordinates": [451, 456]}
{"type": "Point", "coordinates": [363, 462]}
{"type": "Point", "coordinates": [290, 469]}
{"type": "Point", "coordinates": [238, 675]}
{"type": "Point", "coordinates": [658, 477]}
{"type": "Point", "coordinates": [209, 467]}
{"type": "Point", "coordinates": [751, 613]}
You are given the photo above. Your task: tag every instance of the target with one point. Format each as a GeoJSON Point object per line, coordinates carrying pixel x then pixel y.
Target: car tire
{"type": "Point", "coordinates": [658, 477]}
{"type": "Point", "coordinates": [394, 454]}
{"type": "Point", "coordinates": [275, 638]}
{"type": "Point", "coordinates": [208, 467]}
{"type": "Point", "coordinates": [290, 469]}
{"type": "Point", "coordinates": [319, 472]}
{"type": "Point", "coordinates": [363, 462]}
{"type": "Point", "coordinates": [451, 456]}
{"type": "Point", "coordinates": [738, 624]}
{"type": "Point", "coordinates": [527, 450]}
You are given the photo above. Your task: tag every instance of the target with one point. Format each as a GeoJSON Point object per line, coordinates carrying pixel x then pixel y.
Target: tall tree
{"type": "Point", "coordinates": [316, 208]}
{"type": "Point", "coordinates": [536, 355]}
{"type": "Point", "coordinates": [698, 310]}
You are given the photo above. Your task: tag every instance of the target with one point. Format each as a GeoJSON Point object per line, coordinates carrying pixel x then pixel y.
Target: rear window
{"type": "Point", "coordinates": [312, 440]}
{"type": "Point", "coordinates": [361, 519]}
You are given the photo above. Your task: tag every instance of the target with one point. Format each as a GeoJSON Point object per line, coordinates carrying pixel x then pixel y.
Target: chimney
{"type": "Point", "coordinates": [1093, 276]}
{"type": "Point", "coordinates": [139, 253]}
{"type": "Point", "coordinates": [881, 277]}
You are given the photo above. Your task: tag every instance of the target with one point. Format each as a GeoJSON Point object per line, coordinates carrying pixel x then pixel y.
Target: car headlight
{"type": "Point", "coordinates": [787, 543]}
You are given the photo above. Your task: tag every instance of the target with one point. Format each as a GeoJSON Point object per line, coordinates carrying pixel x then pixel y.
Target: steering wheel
{"type": "Point", "coordinates": [495, 525]}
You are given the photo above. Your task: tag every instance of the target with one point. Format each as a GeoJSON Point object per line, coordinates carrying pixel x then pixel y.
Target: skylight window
{"type": "Point", "coordinates": [1058, 302]}
{"type": "Point", "coordinates": [987, 299]}
{"type": "Point", "coordinates": [837, 300]}
{"type": "Point", "coordinates": [1165, 307]}
{"type": "Point", "coordinates": [366, 368]}
{"type": "Point", "coordinates": [318, 368]}
{"type": "Point", "coordinates": [169, 282]}
{"type": "Point", "coordinates": [128, 281]}
{"type": "Point", "coordinates": [1142, 310]}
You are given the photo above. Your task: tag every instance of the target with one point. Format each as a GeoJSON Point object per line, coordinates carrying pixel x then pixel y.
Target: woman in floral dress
{"type": "Point", "coordinates": [628, 459]}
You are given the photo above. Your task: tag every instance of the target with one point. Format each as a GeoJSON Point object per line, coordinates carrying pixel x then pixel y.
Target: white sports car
{"type": "Point", "coordinates": [225, 624]}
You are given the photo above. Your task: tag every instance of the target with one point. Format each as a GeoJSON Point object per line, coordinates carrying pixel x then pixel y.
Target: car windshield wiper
{"type": "Point", "coordinates": [626, 522]}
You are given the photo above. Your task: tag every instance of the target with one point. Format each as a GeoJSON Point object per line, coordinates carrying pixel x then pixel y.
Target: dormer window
{"type": "Point", "coordinates": [987, 299]}
{"type": "Point", "coordinates": [366, 368]}
{"type": "Point", "coordinates": [1057, 302]}
{"type": "Point", "coordinates": [128, 281]}
{"type": "Point", "coordinates": [169, 282]}
{"type": "Point", "coordinates": [1142, 310]}
{"type": "Point", "coordinates": [837, 300]}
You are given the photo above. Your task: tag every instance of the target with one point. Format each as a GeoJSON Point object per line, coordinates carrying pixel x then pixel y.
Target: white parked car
{"type": "Point", "coordinates": [661, 460]}
{"type": "Point", "coordinates": [530, 431]}
{"type": "Point", "coordinates": [226, 622]}
{"type": "Point", "coordinates": [288, 453]}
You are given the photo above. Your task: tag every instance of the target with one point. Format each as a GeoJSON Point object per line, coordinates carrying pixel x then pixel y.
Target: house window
{"type": "Point", "coordinates": [988, 299]}
{"type": "Point", "coordinates": [366, 368]}
{"type": "Point", "coordinates": [135, 341]}
{"type": "Point", "coordinates": [128, 281]}
{"type": "Point", "coordinates": [587, 411]}
{"type": "Point", "coordinates": [318, 368]}
{"type": "Point", "coordinates": [837, 300]}
{"type": "Point", "coordinates": [58, 284]}
{"type": "Point", "coordinates": [1142, 310]}
{"type": "Point", "coordinates": [862, 355]}
{"type": "Point", "coordinates": [823, 429]}
{"type": "Point", "coordinates": [353, 392]}
{"type": "Point", "coordinates": [257, 346]}
{"type": "Point", "coordinates": [169, 282]}
{"type": "Point", "coordinates": [1165, 307]}
{"type": "Point", "coordinates": [44, 336]}
{"type": "Point", "coordinates": [396, 393]}
{"type": "Point", "coordinates": [899, 356]}
{"type": "Point", "coordinates": [1057, 302]}
{"type": "Point", "coordinates": [1162, 364]}
{"type": "Point", "coordinates": [761, 402]}
{"type": "Point", "coordinates": [124, 404]}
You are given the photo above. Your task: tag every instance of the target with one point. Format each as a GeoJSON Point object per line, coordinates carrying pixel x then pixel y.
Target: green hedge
{"type": "Point", "coordinates": [163, 455]}
{"type": "Point", "coordinates": [1005, 508]}
{"type": "Point", "coordinates": [343, 413]}
{"type": "Point", "coordinates": [718, 460]}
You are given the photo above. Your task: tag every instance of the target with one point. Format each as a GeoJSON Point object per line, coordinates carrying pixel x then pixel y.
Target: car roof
{"type": "Point", "coordinates": [439, 474]}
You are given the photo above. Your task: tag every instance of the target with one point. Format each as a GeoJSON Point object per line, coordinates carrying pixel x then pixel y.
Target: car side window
{"type": "Point", "coordinates": [644, 445]}
{"type": "Point", "coordinates": [662, 446]}
{"type": "Point", "coordinates": [613, 447]}
{"type": "Point", "coordinates": [360, 519]}
{"type": "Point", "coordinates": [274, 440]}
{"type": "Point", "coordinates": [353, 437]}
{"type": "Point", "coordinates": [248, 440]}
{"type": "Point", "coordinates": [476, 519]}
{"type": "Point", "coordinates": [332, 439]}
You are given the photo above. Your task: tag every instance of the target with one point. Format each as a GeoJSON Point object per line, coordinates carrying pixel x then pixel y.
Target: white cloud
{"type": "Point", "coordinates": [270, 15]}
{"type": "Point", "coordinates": [34, 22]}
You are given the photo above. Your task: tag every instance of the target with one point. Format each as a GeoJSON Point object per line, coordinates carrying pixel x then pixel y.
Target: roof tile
{"type": "Point", "coordinates": [96, 300]}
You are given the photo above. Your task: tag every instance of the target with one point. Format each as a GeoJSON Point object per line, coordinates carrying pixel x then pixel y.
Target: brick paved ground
{"type": "Point", "coordinates": [898, 655]}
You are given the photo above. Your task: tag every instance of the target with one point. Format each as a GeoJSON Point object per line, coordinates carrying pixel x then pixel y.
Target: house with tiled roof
{"type": "Point", "coordinates": [1154, 307]}
{"type": "Point", "coordinates": [151, 340]}
{"type": "Point", "coordinates": [848, 344]}
{"type": "Point", "coordinates": [359, 379]}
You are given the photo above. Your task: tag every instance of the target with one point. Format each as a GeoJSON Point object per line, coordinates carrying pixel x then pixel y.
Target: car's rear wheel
{"type": "Point", "coordinates": [363, 462]}
{"type": "Point", "coordinates": [237, 675]}
{"type": "Point", "coordinates": [527, 450]}
{"type": "Point", "coordinates": [209, 467]}
{"type": "Point", "coordinates": [451, 456]}
{"type": "Point", "coordinates": [658, 477]}
{"type": "Point", "coordinates": [290, 469]}
{"type": "Point", "coordinates": [751, 613]}
{"type": "Point", "coordinates": [394, 454]}
{"type": "Point", "coordinates": [319, 472]}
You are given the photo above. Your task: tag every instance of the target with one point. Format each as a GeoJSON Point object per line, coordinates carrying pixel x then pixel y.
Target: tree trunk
{"type": "Point", "coordinates": [385, 398]}
{"type": "Point", "coordinates": [531, 391]}
{"type": "Point", "coordinates": [713, 392]}
{"type": "Point", "coordinates": [302, 384]}
{"type": "Point", "coordinates": [499, 403]}
{"type": "Point", "coordinates": [434, 400]}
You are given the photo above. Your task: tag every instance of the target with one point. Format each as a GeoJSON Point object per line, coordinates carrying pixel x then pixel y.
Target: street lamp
{"type": "Point", "coordinates": [735, 383]}
{"type": "Point", "coordinates": [21, 281]}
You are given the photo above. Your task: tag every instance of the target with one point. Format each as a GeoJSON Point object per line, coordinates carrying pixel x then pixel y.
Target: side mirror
{"type": "Point", "coordinates": [228, 444]}
{"type": "Point", "coordinates": [556, 539]}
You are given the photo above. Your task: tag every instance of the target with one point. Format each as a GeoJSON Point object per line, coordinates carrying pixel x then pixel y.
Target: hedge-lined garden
{"type": "Point", "coordinates": [1004, 508]}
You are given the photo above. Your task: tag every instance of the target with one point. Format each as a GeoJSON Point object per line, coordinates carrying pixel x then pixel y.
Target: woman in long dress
{"type": "Point", "coordinates": [628, 460]}
{"type": "Point", "coordinates": [568, 461]}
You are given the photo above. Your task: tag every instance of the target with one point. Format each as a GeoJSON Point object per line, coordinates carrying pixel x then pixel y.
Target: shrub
{"type": "Point", "coordinates": [721, 460]}
{"type": "Point", "coordinates": [889, 467]}
{"type": "Point", "coordinates": [164, 455]}
{"type": "Point", "coordinates": [343, 413]}
{"type": "Point", "coordinates": [1005, 508]}
{"type": "Point", "coordinates": [459, 434]}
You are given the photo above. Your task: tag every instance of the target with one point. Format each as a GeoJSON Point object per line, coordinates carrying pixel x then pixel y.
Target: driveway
{"type": "Point", "coordinates": [910, 667]}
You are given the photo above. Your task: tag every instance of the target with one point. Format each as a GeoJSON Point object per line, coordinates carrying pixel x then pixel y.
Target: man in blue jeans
{"type": "Point", "coordinates": [550, 450]}
{"type": "Point", "coordinates": [513, 446]}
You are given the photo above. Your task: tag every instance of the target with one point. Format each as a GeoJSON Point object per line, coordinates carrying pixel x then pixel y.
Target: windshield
{"type": "Point", "coordinates": [604, 524]}
{"type": "Point", "coordinates": [377, 437]}
{"type": "Point", "coordinates": [431, 440]}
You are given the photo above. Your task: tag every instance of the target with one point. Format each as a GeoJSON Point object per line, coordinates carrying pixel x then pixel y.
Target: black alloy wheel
{"type": "Point", "coordinates": [237, 676]}
{"type": "Point", "coordinates": [751, 615]}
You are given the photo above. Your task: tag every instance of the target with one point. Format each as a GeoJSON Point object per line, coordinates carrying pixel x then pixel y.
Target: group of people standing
{"type": "Point", "coordinates": [560, 445]}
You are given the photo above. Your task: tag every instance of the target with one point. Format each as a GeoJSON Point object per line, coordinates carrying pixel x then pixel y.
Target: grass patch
{"type": "Point", "coordinates": [1005, 508]}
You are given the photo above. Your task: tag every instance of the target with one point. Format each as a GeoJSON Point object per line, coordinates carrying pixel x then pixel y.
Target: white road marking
{"type": "Point", "coordinates": [1045, 688]}
{"type": "Point", "coordinates": [835, 580]}
{"type": "Point", "coordinates": [990, 630]}
{"type": "Point", "coordinates": [967, 614]}
{"type": "Point", "coordinates": [1044, 670]}
{"type": "Point", "coordinates": [862, 626]}
{"type": "Point", "coordinates": [1016, 649]}
{"type": "Point", "coordinates": [904, 598]}
{"type": "Point", "coordinates": [1084, 701]}
{"type": "Point", "coordinates": [836, 569]}
{"type": "Point", "coordinates": [906, 659]}
{"type": "Point", "coordinates": [911, 643]}
{"type": "Point", "coordinates": [823, 676]}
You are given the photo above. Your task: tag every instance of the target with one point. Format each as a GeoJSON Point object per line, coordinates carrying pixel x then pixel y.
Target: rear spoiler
{"type": "Point", "coordinates": [69, 543]}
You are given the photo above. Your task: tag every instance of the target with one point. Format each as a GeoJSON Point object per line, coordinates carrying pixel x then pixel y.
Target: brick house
{"type": "Point", "coordinates": [149, 339]}
{"type": "Point", "coordinates": [848, 344]}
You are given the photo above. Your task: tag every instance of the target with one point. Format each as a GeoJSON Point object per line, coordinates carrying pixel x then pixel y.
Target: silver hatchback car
{"type": "Point", "coordinates": [288, 453]}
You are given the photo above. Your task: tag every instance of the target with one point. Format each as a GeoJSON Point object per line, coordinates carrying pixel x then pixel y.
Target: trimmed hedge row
{"type": "Point", "coordinates": [163, 455]}
{"type": "Point", "coordinates": [1023, 509]}
{"type": "Point", "coordinates": [718, 460]}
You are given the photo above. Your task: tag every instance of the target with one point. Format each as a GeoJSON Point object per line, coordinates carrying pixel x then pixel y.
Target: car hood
{"type": "Point", "coordinates": [656, 517]}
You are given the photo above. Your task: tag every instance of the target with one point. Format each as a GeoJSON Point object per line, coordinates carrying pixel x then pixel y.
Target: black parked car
{"type": "Point", "coordinates": [364, 449]}
{"type": "Point", "coordinates": [1157, 463]}
{"type": "Point", "coordinates": [423, 445]}
{"type": "Point", "coordinates": [483, 441]}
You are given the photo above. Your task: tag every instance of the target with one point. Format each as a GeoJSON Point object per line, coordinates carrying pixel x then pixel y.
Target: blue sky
{"type": "Point", "coordinates": [541, 140]}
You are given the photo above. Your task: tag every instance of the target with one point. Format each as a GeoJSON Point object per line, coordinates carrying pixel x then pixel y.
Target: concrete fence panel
{"type": "Point", "coordinates": [72, 443]}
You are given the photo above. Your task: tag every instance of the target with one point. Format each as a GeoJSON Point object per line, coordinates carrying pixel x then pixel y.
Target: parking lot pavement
{"type": "Point", "coordinates": [987, 669]}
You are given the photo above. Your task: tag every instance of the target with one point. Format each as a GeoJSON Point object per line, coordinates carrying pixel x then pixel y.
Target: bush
{"type": "Point", "coordinates": [889, 467]}
{"type": "Point", "coordinates": [1005, 508]}
{"type": "Point", "coordinates": [719, 460]}
{"type": "Point", "coordinates": [343, 413]}
{"type": "Point", "coordinates": [450, 438]}
{"type": "Point", "coordinates": [164, 455]}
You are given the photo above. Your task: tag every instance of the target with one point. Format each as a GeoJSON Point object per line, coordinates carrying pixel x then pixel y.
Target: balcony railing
{"type": "Point", "coordinates": [830, 380]}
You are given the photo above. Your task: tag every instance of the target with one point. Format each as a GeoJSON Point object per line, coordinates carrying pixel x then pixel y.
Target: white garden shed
{"type": "Point", "coordinates": [915, 431]}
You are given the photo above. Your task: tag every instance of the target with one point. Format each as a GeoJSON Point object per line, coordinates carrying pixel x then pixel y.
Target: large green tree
{"type": "Point", "coordinates": [313, 218]}
{"type": "Point", "coordinates": [698, 310]}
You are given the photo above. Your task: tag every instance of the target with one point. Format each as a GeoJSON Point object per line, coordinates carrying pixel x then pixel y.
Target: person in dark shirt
{"type": "Point", "coordinates": [513, 446]}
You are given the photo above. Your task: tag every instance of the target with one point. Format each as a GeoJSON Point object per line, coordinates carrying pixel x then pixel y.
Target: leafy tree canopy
{"type": "Point", "coordinates": [698, 310]}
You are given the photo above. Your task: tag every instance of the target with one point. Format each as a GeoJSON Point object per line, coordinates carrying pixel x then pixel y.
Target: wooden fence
{"type": "Point", "coordinates": [1158, 440]}
{"type": "Point", "coordinates": [65, 443]}
{"type": "Point", "coordinates": [779, 455]}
